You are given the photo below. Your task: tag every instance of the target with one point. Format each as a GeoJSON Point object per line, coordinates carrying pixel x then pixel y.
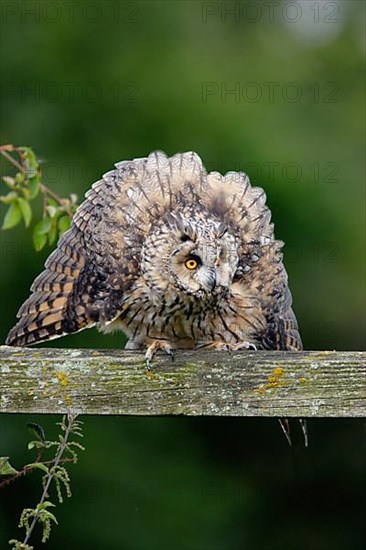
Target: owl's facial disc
{"type": "Point", "coordinates": [204, 266]}
{"type": "Point", "coordinates": [196, 258]}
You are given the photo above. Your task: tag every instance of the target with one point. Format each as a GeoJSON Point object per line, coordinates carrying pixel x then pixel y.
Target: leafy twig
{"type": "Point", "coordinates": [53, 472]}
{"type": "Point", "coordinates": [24, 187]}
{"type": "Point", "coordinates": [30, 468]}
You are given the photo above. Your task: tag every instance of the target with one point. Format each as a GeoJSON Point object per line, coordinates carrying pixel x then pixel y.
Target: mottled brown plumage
{"type": "Point", "coordinates": [171, 255]}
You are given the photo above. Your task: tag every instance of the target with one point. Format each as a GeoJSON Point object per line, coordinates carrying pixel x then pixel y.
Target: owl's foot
{"type": "Point", "coordinates": [227, 346]}
{"type": "Point", "coordinates": [241, 345]}
{"type": "Point", "coordinates": [162, 345]}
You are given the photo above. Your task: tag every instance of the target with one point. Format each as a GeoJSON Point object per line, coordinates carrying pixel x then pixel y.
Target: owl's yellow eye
{"type": "Point", "coordinates": [191, 263]}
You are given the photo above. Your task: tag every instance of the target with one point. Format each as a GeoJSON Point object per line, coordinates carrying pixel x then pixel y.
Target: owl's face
{"type": "Point", "coordinates": [196, 258]}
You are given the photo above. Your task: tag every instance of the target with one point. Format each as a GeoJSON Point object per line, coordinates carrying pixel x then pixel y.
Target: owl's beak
{"type": "Point", "coordinates": [207, 279]}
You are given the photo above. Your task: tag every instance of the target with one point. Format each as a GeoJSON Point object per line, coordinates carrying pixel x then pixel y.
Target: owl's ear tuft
{"type": "Point", "coordinates": [177, 223]}
{"type": "Point", "coordinates": [189, 233]}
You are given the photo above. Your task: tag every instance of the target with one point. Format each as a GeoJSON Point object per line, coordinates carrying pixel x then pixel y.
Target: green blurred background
{"type": "Point", "coordinates": [272, 88]}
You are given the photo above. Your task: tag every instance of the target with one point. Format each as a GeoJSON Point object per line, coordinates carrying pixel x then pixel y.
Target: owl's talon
{"type": "Point", "coordinates": [239, 346]}
{"type": "Point", "coordinates": [226, 346]}
{"type": "Point", "coordinates": [285, 426]}
{"type": "Point", "coordinates": [304, 428]}
{"type": "Point", "coordinates": [153, 348]}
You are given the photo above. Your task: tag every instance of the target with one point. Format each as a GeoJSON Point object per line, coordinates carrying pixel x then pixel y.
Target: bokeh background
{"type": "Point", "coordinates": [272, 88]}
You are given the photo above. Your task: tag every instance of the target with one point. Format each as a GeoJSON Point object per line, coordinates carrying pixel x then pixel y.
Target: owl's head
{"type": "Point", "coordinates": [193, 254]}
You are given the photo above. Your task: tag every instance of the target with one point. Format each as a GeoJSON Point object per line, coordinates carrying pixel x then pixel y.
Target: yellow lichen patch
{"type": "Point", "coordinates": [68, 400]}
{"type": "Point", "coordinates": [63, 379]}
{"type": "Point", "coordinates": [275, 381]}
{"type": "Point", "coordinates": [64, 382]}
{"type": "Point", "coordinates": [302, 380]}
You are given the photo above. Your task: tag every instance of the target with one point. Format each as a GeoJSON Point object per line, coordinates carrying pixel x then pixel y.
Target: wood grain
{"type": "Point", "coordinates": [246, 383]}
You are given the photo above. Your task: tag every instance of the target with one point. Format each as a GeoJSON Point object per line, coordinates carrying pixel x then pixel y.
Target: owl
{"type": "Point", "coordinates": [173, 256]}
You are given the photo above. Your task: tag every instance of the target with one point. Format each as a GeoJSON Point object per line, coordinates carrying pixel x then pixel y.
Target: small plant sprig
{"type": "Point", "coordinates": [54, 472]}
{"type": "Point", "coordinates": [24, 187]}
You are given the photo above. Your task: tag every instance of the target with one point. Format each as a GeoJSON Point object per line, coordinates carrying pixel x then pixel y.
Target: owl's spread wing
{"type": "Point", "coordinates": [78, 288]}
{"type": "Point", "coordinates": [281, 332]}
{"type": "Point", "coordinates": [260, 269]}
{"type": "Point", "coordinates": [97, 261]}
{"type": "Point", "coordinates": [66, 297]}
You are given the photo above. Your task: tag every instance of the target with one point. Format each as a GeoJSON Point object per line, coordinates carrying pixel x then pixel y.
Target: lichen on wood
{"type": "Point", "coordinates": [245, 383]}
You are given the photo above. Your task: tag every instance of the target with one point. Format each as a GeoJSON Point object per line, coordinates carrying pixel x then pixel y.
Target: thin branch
{"type": "Point", "coordinates": [13, 161]}
{"type": "Point", "coordinates": [47, 191]}
{"type": "Point", "coordinates": [27, 470]}
{"type": "Point", "coordinates": [71, 418]}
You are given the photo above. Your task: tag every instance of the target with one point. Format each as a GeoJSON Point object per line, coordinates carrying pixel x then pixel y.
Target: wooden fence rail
{"type": "Point", "coordinates": [247, 383]}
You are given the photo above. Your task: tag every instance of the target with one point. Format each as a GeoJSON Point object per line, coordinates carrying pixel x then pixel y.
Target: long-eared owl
{"type": "Point", "coordinates": [173, 256]}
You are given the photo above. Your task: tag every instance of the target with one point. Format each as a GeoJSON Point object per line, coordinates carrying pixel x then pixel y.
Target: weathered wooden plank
{"type": "Point", "coordinates": [246, 383]}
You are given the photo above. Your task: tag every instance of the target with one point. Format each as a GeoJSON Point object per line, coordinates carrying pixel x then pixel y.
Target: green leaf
{"type": "Point", "coordinates": [12, 217]}
{"type": "Point", "coordinates": [9, 181]}
{"type": "Point", "coordinates": [52, 202]}
{"type": "Point", "coordinates": [37, 430]}
{"type": "Point", "coordinates": [46, 504]}
{"type": "Point", "coordinates": [26, 210]}
{"type": "Point", "coordinates": [30, 161]}
{"type": "Point", "coordinates": [33, 185]}
{"type": "Point", "coordinates": [43, 227]}
{"type": "Point", "coordinates": [52, 235]}
{"type": "Point", "coordinates": [5, 468]}
{"type": "Point", "coordinates": [38, 465]}
{"type": "Point", "coordinates": [50, 516]}
{"type": "Point", "coordinates": [39, 241]}
{"type": "Point", "coordinates": [9, 198]}
{"type": "Point", "coordinates": [51, 210]}
{"type": "Point", "coordinates": [32, 444]}
{"type": "Point", "coordinates": [64, 224]}
{"type": "Point", "coordinates": [19, 178]}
